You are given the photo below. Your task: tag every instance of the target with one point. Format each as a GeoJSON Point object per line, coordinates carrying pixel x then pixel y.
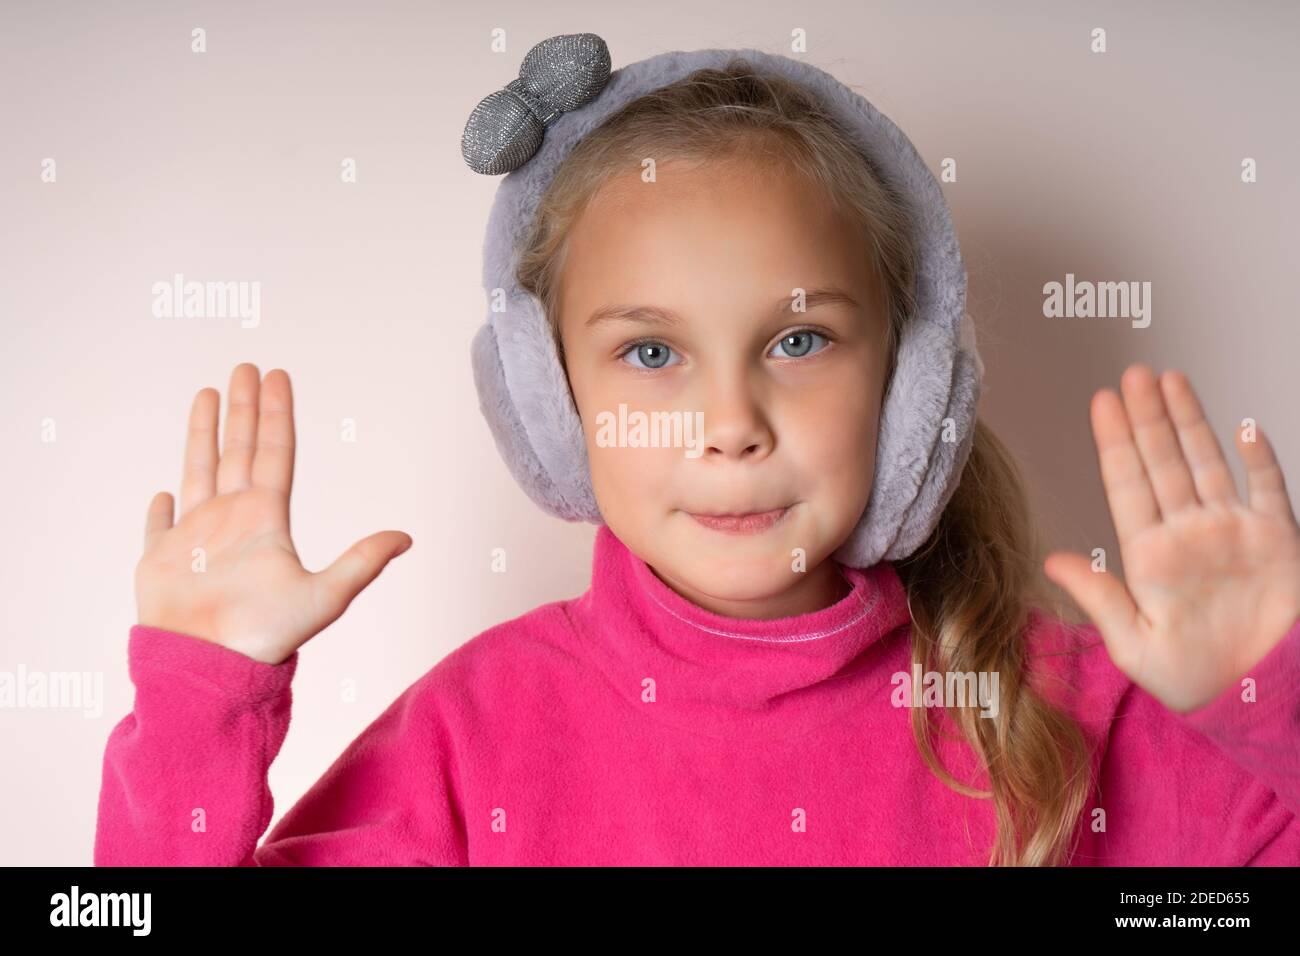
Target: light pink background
{"type": "Point", "coordinates": [226, 166]}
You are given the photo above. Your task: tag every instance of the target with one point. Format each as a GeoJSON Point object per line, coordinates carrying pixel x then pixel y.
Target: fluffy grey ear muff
{"type": "Point", "coordinates": [928, 418]}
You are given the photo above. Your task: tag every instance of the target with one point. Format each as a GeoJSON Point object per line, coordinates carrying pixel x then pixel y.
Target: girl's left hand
{"type": "Point", "coordinates": [1212, 585]}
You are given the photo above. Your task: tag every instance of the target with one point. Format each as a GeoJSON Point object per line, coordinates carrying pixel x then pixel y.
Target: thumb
{"type": "Point", "coordinates": [354, 569]}
{"type": "Point", "coordinates": [1102, 596]}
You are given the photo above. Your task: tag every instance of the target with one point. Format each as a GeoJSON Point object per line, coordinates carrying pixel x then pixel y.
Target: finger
{"type": "Point", "coordinates": [1105, 600]}
{"type": "Point", "coordinates": [1128, 491]}
{"type": "Point", "coordinates": [234, 473]}
{"type": "Point", "coordinates": [1210, 472]}
{"type": "Point", "coordinates": [273, 461]}
{"type": "Point", "coordinates": [199, 470]}
{"type": "Point", "coordinates": [158, 519]}
{"type": "Point", "coordinates": [353, 570]}
{"type": "Point", "coordinates": [1162, 456]}
{"type": "Point", "coordinates": [1265, 484]}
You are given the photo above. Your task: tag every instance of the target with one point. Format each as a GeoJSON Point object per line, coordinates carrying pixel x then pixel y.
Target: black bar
{"type": "Point", "coordinates": [247, 905]}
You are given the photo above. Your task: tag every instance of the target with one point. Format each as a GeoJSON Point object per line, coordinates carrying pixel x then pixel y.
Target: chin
{"type": "Point", "coordinates": [733, 582]}
{"type": "Point", "coordinates": [742, 570]}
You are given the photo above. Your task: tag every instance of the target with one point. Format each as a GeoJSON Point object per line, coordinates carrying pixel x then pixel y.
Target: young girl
{"type": "Point", "coordinates": [786, 612]}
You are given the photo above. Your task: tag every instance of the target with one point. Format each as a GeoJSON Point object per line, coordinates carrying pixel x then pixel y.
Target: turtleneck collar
{"type": "Point", "coordinates": [735, 677]}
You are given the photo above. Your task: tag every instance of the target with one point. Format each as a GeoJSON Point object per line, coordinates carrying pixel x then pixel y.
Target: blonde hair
{"type": "Point", "coordinates": [972, 584]}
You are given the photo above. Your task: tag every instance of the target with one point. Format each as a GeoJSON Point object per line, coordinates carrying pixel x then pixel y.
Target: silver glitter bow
{"type": "Point", "coordinates": [559, 74]}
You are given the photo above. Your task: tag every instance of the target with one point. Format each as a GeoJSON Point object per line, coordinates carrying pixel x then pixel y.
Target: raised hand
{"type": "Point", "coordinates": [244, 588]}
{"type": "Point", "coordinates": [1211, 584]}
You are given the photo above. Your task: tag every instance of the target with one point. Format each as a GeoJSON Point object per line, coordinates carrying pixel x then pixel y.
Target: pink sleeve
{"type": "Point", "coordinates": [1217, 786]}
{"type": "Point", "coordinates": [185, 773]}
{"type": "Point", "coordinates": [1261, 730]}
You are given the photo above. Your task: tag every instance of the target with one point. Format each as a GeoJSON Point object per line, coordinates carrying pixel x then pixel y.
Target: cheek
{"type": "Point", "coordinates": [833, 438]}
{"type": "Point", "coordinates": [625, 479]}
{"type": "Point", "coordinates": [836, 455]}
{"type": "Point", "coordinates": [620, 461]}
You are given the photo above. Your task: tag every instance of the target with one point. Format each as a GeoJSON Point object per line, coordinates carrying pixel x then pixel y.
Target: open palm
{"type": "Point", "coordinates": [227, 571]}
{"type": "Point", "coordinates": [1211, 584]}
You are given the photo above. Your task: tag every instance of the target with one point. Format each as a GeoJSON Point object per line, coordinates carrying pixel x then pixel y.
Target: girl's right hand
{"type": "Point", "coordinates": [227, 572]}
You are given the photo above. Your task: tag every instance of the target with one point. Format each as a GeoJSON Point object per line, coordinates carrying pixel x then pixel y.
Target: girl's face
{"type": "Point", "coordinates": [678, 296]}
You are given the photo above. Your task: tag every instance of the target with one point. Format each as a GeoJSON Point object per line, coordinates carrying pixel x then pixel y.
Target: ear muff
{"type": "Point", "coordinates": [525, 398]}
{"type": "Point", "coordinates": [928, 416]}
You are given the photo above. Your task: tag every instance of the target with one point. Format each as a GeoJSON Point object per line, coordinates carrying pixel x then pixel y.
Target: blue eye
{"type": "Point", "coordinates": [799, 343]}
{"type": "Point", "coordinates": [651, 355]}
{"type": "Point", "coordinates": [654, 355]}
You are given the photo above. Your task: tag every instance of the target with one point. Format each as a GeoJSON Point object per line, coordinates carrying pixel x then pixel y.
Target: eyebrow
{"type": "Point", "coordinates": [828, 295]}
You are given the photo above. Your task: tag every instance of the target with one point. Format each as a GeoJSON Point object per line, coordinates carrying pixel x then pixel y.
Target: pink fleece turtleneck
{"type": "Point", "coordinates": [630, 726]}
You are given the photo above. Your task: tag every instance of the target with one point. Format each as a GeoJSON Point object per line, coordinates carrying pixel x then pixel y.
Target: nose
{"type": "Point", "coordinates": [735, 421]}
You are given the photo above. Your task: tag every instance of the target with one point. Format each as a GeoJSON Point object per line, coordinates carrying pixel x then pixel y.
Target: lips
{"type": "Point", "coordinates": [750, 523]}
